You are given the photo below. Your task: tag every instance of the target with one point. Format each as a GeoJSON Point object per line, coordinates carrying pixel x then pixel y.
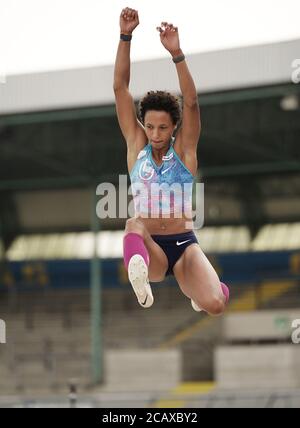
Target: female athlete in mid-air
{"type": "Point", "coordinates": [161, 245]}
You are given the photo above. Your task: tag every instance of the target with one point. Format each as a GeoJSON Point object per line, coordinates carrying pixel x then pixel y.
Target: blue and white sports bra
{"type": "Point", "coordinates": [164, 190]}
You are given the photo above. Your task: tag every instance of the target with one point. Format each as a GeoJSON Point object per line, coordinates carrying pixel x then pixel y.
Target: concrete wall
{"type": "Point", "coordinates": [259, 325]}
{"type": "Point", "coordinates": [142, 370]}
{"type": "Point", "coordinates": [276, 366]}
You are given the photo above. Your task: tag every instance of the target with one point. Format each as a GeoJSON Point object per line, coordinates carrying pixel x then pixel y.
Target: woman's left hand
{"type": "Point", "coordinates": [169, 37]}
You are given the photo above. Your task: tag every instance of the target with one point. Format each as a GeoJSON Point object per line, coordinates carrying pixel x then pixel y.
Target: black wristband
{"type": "Point", "coordinates": [126, 37]}
{"type": "Point", "coordinates": [178, 59]}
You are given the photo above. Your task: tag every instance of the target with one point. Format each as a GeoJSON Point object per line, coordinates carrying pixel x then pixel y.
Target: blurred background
{"type": "Point", "coordinates": [75, 334]}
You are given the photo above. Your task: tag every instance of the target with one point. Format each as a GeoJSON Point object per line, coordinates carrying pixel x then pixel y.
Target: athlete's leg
{"type": "Point", "coordinates": [199, 281]}
{"type": "Point", "coordinates": [144, 260]}
{"type": "Point", "coordinates": [158, 260]}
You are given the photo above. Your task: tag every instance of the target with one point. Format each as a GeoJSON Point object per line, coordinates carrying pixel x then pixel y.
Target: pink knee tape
{"type": "Point", "coordinates": [133, 244]}
{"type": "Point", "coordinates": [225, 290]}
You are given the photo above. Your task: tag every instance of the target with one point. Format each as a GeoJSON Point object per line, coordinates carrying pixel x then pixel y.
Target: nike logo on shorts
{"type": "Point", "coordinates": [181, 243]}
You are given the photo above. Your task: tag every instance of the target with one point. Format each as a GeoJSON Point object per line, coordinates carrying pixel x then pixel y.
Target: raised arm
{"type": "Point", "coordinates": [131, 128]}
{"type": "Point", "coordinates": [191, 125]}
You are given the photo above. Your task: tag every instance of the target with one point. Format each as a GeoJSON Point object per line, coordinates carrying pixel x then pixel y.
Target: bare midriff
{"type": "Point", "coordinates": [167, 226]}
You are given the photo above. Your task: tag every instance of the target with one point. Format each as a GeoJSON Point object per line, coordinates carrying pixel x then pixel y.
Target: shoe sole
{"type": "Point", "coordinates": [195, 307]}
{"type": "Point", "coordinates": [138, 277]}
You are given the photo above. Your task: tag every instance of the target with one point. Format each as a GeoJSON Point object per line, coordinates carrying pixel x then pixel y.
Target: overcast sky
{"type": "Point", "coordinates": [41, 35]}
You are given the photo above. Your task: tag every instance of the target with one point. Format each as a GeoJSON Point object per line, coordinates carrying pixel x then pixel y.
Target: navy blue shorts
{"type": "Point", "coordinates": [174, 246]}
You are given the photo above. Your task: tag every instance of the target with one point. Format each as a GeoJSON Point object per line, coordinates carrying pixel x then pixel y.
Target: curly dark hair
{"type": "Point", "coordinates": [161, 101]}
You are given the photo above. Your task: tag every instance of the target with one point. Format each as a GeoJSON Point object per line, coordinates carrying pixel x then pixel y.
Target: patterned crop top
{"type": "Point", "coordinates": [161, 191]}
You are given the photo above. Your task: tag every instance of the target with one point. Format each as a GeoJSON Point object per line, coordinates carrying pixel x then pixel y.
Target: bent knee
{"type": "Point", "coordinates": [156, 278]}
{"type": "Point", "coordinates": [134, 225]}
{"type": "Point", "coordinates": [215, 306]}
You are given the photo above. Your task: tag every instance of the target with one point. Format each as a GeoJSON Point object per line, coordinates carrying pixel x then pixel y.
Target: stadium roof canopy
{"type": "Point", "coordinates": [232, 69]}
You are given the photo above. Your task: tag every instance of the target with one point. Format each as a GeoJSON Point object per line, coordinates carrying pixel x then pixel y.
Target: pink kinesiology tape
{"type": "Point", "coordinates": [133, 244]}
{"type": "Point", "coordinates": [225, 290]}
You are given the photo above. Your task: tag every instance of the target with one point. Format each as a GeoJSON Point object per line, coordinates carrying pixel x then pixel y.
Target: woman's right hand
{"type": "Point", "coordinates": [129, 20]}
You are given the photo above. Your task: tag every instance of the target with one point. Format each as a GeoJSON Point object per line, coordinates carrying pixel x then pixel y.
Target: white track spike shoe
{"type": "Point", "coordinates": [138, 277]}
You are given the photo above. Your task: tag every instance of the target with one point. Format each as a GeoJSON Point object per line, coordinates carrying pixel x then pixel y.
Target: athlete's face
{"type": "Point", "coordinates": [159, 128]}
